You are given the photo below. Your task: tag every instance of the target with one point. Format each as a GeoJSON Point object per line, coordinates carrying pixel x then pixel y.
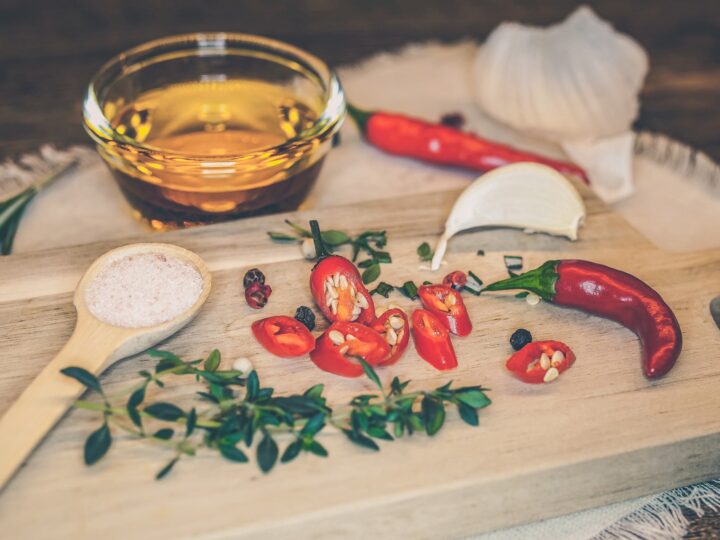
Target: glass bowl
{"type": "Point", "coordinates": [206, 127]}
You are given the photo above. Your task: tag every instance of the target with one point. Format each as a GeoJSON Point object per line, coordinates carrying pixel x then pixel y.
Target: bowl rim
{"type": "Point", "coordinates": [100, 129]}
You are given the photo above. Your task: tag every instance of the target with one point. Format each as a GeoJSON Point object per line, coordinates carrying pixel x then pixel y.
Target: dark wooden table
{"type": "Point", "coordinates": [50, 49]}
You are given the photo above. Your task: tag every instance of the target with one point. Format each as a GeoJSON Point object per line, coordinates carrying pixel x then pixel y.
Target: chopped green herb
{"type": "Point", "coordinates": [513, 262]}
{"type": "Point", "coordinates": [409, 289]}
{"type": "Point", "coordinates": [283, 238]}
{"type": "Point", "coordinates": [426, 282]}
{"type": "Point", "coordinates": [425, 252]}
{"type": "Point", "coordinates": [383, 289]}
{"type": "Point", "coordinates": [481, 252]}
{"type": "Point", "coordinates": [523, 294]}
{"type": "Point", "coordinates": [371, 273]}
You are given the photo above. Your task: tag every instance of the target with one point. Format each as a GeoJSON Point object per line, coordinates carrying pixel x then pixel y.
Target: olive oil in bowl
{"type": "Point", "coordinates": [231, 136]}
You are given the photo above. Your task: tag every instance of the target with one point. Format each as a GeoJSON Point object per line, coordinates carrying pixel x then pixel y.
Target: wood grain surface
{"type": "Point", "coordinates": [49, 50]}
{"type": "Point", "coordinates": [602, 433]}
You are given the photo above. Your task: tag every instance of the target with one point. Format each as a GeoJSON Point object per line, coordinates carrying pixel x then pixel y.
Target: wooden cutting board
{"type": "Point", "coordinates": [600, 434]}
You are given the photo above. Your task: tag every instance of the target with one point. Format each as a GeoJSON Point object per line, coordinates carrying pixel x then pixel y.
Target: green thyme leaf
{"type": "Point", "coordinates": [252, 386]}
{"type": "Point", "coordinates": [166, 469]}
{"type": "Point", "coordinates": [360, 439]}
{"type": "Point", "coordinates": [191, 422]}
{"type": "Point", "coordinates": [366, 263]}
{"type": "Point", "coordinates": [425, 252]}
{"type": "Point", "coordinates": [167, 355]}
{"type": "Point", "coordinates": [318, 449]}
{"type": "Point", "coordinates": [371, 273]}
{"type": "Point", "coordinates": [233, 453]}
{"type": "Point", "coordinates": [382, 257]}
{"type": "Point", "coordinates": [164, 434]}
{"type": "Point", "coordinates": [473, 397]}
{"type": "Point", "coordinates": [468, 414]}
{"type": "Point", "coordinates": [283, 238]}
{"type": "Point", "coordinates": [433, 412]}
{"type": "Point", "coordinates": [370, 372]}
{"type": "Point", "coordinates": [97, 444]}
{"type": "Point", "coordinates": [292, 451]}
{"type": "Point", "coordinates": [315, 392]}
{"type": "Point", "coordinates": [314, 425]}
{"type": "Point", "coordinates": [213, 361]}
{"type": "Point", "coordinates": [164, 411]}
{"type": "Point", "coordinates": [84, 377]}
{"type": "Point", "coordinates": [267, 453]}
{"type": "Point", "coordinates": [335, 238]}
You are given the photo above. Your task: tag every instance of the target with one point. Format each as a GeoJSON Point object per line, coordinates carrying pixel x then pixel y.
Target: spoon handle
{"type": "Point", "coordinates": [47, 398]}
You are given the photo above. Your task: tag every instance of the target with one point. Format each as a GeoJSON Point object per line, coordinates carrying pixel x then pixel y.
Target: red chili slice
{"type": "Point", "coordinates": [339, 292]}
{"type": "Point", "coordinates": [541, 361]}
{"type": "Point", "coordinates": [449, 307]}
{"type": "Point", "coordinates": [393, 325]}
{"type": "Point", "coordinates": [338, 348]}
{"type": "Point", "coordinates": [432, 341]}
{"type": "Point", "coordinates": [283, 336]}
{"type": "Point", "coordinates": [456, 280]}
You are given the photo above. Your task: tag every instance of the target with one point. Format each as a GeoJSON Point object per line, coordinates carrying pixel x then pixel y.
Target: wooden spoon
{"type": "Point", "coordinates": [94, 345]}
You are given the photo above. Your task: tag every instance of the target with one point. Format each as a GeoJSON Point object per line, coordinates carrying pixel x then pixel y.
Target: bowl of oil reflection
{"type": "Point", "coordinates": [202, 128]}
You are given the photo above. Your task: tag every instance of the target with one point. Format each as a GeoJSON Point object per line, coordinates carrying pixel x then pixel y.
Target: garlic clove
{"type": "Point", "coordinates": [528, 196]}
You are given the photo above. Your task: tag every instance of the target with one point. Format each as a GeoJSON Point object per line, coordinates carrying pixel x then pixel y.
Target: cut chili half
{"type": "Point", "coordinates": [343, 343]}
{"type": "Point", "coordinates": [449, 307]}
{"type": "Point", "coordinates": [339, 292]}
{"type": "Point", "coordinates": [393, 325]}
{"type": "Point", "coordinates": [432, 340]}
{"type": "Point", "coordinates": [283, 336]}
{"type": "Point", "coordinates": [541, 361]}
{"type": "Point", "coordinates": [457, 280]}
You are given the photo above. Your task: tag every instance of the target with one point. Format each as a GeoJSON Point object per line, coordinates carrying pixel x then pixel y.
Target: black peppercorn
{"type": "Point", "coordinates": [520, 338]}
{"type": "Point", "coordinates": [306, 316]}
{"type": "Point", "coordinates": [253, 276]}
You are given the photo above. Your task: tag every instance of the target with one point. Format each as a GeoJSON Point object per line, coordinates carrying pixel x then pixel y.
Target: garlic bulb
{"type": "Point", "coordinates": [528, 196]}
{"type": "Point", "coordinates": [577, 79]}
{"type": "Point", "coordinates": [575, 83]}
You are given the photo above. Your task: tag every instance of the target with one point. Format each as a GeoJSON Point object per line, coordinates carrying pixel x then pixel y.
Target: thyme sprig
{"type": "Point", "coordinates": [371, 243]}
{"type": "Point", "coordinates": [241, 416]}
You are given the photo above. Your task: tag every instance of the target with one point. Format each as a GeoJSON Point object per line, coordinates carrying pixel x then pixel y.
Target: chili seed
{"type": "Point", "coordinates": [544, 361]}
{"type": "Point", "coordinates": [243, 364]}
{"type": "Point", "coordinates": [253, 276]}
{"type": "Point", "coordinates": [557, 357]}
{"type": "Point", "coordinates": [551, 374]}
{"type": "Point", "coordinates": [396, 322]}
{"type": "Point", "coordinates": [520, 338]}
{"type": "Point", "coordinates": [336, 337]}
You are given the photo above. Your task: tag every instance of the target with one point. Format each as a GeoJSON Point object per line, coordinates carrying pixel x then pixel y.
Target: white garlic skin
{"type": "Point", "coordinates": [574, 80]}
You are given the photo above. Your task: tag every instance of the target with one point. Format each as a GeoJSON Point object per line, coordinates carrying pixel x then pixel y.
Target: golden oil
{"type": "Point", "coordinates": [210, 150]}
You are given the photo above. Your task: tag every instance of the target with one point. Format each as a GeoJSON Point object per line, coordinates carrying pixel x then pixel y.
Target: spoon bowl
{"type": "Point", "coordinates": [94, 345]}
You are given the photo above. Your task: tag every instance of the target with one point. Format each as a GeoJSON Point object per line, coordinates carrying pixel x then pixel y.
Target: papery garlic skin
{"type": "Point", "coordinates": [578, 79]}
{"type": "Point", "coordinates": [528, 196]}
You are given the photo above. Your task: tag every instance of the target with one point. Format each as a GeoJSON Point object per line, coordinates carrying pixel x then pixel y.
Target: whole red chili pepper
{"type": "Point", "coordinates": [337, 287]}
{"type": "Point", "coordinates": [610, 293]}
{"type": "Point", "coordinates": [438, 143]}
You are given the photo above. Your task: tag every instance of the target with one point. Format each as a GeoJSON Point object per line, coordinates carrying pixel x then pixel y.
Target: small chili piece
{"type": "Point", "coordinates": [613, 294]}
{"type": "Point", "coordinates": [342, 343]}
{"type": "Point", "coordinates": [436, 143]}
{"type": "Point", "coordinates": [541, 361]}
{"type": "Point", "coordinates": [432, 341]}
{"type": "Point", "coordinates": [447, 304]}
{"type": "Point", "coordinates": [337, 287]}
{"type": "Point", "coordinates": [283, 336]}
{"type": "Point", "coordinates": [457, 280]}
{"type": "Point", "coordinates": [393, 325]}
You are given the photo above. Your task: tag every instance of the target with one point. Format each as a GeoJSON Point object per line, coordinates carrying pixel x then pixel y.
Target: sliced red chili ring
{"type": "Point", "coordinates": [541, 361]}
{"type": "Point", "coordinates": [338, 348]}
{"type": "Point", "coordinates": [283, 336]}
{"type": "Point", "coordinates": [432, 340]}
{"type": "Point", "coordinates": [339, 291]}
{"type": "Point", "coordinates": [393, 325]}
{"type": "Point", "coordinates": [449, 307]}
